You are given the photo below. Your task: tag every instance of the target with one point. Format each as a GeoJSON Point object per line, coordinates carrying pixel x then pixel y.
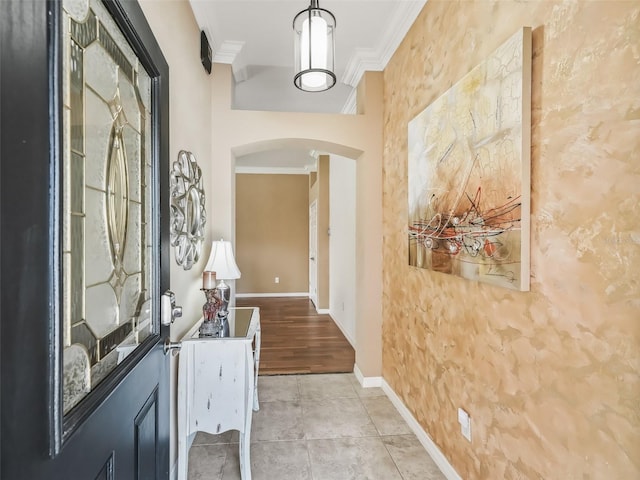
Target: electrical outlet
{"type": "Point", "coordinates": [465, 423]}
{"type": "Point", "coordinates": [276, 280]}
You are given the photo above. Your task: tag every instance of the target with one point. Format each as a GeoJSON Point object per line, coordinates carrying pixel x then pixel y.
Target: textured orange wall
{"type": "Point", "coordinates": [551, 377]}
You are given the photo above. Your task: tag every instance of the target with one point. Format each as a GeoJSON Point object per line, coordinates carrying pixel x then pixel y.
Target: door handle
{"type": "Point", "coordinates": [173, 347]}
{"type": "Point", "coordinates": [168, 309]}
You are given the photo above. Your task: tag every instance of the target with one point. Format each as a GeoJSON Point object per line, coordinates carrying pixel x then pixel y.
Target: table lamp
{"type": "Point", "coordinates": [222, 262]}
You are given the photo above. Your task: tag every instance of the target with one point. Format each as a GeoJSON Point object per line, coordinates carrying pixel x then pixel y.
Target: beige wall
{"type": "Point", "coordinates": [551, 376]}
{"type": "Point", "coordinates": [369, 232]}
{"type": "Point", "coordinates": [272, 233]}
{"type": "Point", "coordinates": [190, 127]}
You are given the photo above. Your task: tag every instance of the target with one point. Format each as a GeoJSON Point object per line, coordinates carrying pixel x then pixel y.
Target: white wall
{"type": "Point", "coordinates": [342, 244]}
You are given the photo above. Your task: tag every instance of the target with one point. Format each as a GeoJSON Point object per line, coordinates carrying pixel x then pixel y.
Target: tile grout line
{"type": "Point", "coordinates": [224, 463]}
{"type": "Point", "coordinates": [392, 459]}
{"type": "Point", "coordinates": [304, 428]}
{"type": "Point", "coordinates": [395, 464]}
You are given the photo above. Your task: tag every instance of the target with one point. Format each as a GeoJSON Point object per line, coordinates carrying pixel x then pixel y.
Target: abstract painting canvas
{"type": "Point", "coordinates": [469, 173]}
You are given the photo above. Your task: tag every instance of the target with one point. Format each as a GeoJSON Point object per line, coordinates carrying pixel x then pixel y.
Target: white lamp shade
{"type": "Point", "coordinates": [314, 40]}
{"type": "Point", "coordinates": [222, 261]}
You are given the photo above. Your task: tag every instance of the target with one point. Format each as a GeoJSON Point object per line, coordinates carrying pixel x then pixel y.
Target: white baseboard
{"type": "Point", "coordinates": [344, 332]}
{"type": "Point", "coordinates": [428, 444]}
{"type": "Point", "coordinates": [366, 382]}
{"type": "Point", "coordinates": [287, 294]}
{"type": "Point", "coordinates": [323, 311]}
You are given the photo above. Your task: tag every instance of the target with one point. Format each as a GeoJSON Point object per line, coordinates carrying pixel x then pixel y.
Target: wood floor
{"type": "Point", "coordinates": [295, 339]}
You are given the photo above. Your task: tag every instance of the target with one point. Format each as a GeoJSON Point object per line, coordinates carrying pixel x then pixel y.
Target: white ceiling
{"type": "Point", "coordinates": [256, 38]}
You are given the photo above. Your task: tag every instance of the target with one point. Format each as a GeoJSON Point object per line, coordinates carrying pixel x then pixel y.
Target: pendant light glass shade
{"type": "Point", "coordinates": [313, 30]}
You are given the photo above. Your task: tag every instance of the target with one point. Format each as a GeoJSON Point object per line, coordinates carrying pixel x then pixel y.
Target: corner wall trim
{"type": "Point", "coordinates": [432, 449]}
{"type": "Point", "coordinates": [376, 59]}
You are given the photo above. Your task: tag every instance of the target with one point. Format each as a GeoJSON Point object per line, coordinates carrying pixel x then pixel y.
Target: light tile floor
{"type": "Point", "coordinates": [318, 427]}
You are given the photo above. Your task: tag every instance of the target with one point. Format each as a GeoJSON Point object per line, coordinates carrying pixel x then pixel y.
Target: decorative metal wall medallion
{"type": "Point", "coordinates": [188, 215]}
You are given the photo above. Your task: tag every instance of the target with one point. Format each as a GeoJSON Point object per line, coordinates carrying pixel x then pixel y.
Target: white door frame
{"type": "Point", "coordinates": [313, 252]}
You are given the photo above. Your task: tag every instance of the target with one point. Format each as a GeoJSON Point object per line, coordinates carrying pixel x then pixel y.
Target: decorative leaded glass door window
{"type": "Point", "coordinates": [107, 193]}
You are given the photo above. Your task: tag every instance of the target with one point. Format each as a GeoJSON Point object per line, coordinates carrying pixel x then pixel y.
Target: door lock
{"type": "Point", "coordinates": [173, 347]}
{"type": "Point", "coordinates": [168, 309]}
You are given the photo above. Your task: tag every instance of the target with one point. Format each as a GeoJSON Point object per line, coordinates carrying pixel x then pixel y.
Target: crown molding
{"type": "Point", "coordinates": [230, 52]}
{"type": "Point", "coordinates": [368, 59]}
{"type": "Point", "coordinates": [350, 106]}
{"type": "Point", "coordinates": [364, 59]}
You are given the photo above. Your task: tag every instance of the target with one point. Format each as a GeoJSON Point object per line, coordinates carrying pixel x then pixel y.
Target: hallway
{"type": "Point", "coordinates": [318, 427]}
{"type": "Point", "coordinates": [296, 339]}
{"type": "Point", "coordinates": [313, 427]}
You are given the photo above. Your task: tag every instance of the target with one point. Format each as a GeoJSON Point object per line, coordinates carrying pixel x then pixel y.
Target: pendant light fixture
{"type": "Point", "coordinates": [313, 30]}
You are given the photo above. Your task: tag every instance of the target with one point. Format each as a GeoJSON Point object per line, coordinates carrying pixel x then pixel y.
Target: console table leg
{"type": "Point", "coordinates": [256, 360]}
{"type": "Point", "coordinates": [245, 460]}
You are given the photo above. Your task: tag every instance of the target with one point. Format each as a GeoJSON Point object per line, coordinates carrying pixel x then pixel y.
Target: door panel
{"type": "Point", "coordinates": [147, 439]}
{"type": "Point", "coordinates": [107, 471]}
{"type": "Point", "coordinates": [118, 426]}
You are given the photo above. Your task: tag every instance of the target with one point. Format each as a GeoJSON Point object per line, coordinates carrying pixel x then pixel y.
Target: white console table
{"type": "Point", "coordinates": [218, 385]}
